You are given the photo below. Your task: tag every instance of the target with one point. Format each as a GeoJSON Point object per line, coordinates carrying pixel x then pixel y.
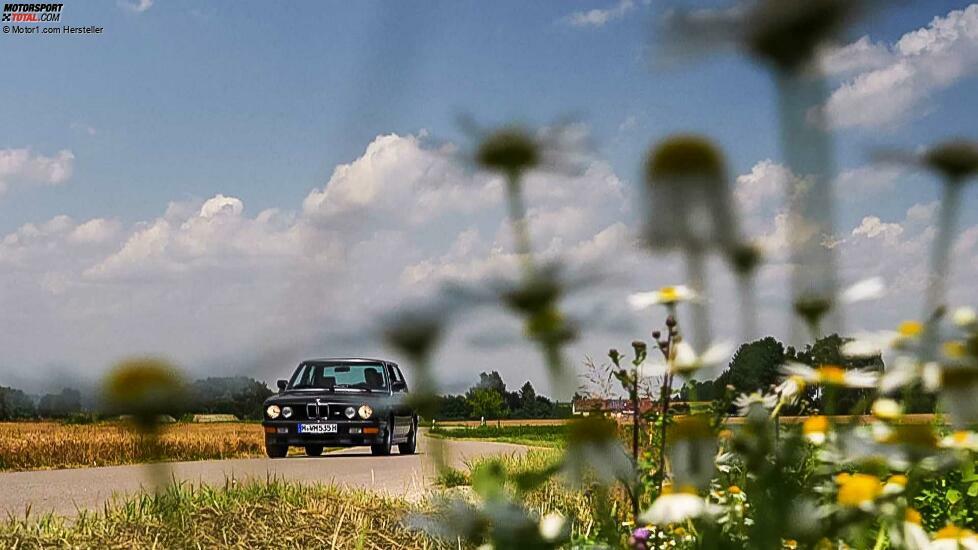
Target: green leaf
{"type": "Point", "coordinates": [953, 496]}
{"type": "Point", "coordinates": [488, 480]}
{"type": "Point", "coordinates": [973, 490]}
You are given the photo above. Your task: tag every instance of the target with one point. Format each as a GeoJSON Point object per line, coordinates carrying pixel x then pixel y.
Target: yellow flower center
{"type": "Point", "coordinates": [858, 489]}
{"type": "Point", "coordinates": [832, 374]}
{"type": "Point", "coordinates": [912, 516]}
{"type": "Point", "coordinates": [668, 294]}
{"type": "Point", "coordinates": [791, 544]}
{"type": "Point", "coordinates": [678, 531]}
{"type": "Point", "coordinates": [954, 349]}
{"type": "Point", "coordinates": [898, 479]}
{"type": "Point", "coordinates": [815, 425]}
{"type": "Point", "coordinates": [910, 329]}
{"type": "Point", "coordinates": [960, 437]}
{"type": "Point", "coordinates": [952, 532]}
{"type": "Point", "coordinates": [734, 490]}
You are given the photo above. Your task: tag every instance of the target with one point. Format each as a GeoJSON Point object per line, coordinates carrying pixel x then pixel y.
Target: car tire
{"type": "Point", "coordinates": [314, 450]}
{"type": "Point", "coordinates": [276, 451]}
{"type": "Point", "coordinates": [411, 445]}
{"type": "Point", "coordinates": [384, 449]}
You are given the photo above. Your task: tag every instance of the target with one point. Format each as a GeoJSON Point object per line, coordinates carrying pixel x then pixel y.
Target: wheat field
{"type": "Point", "coordinates": [47, 445]}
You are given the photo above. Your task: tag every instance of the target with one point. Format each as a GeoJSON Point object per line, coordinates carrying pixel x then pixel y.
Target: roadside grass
{"type": "Point", "coordinates": [452, 477]}
{"type": "Point", "coordinates": [553, 436]}
{"type": "Point", "coordinates": [256, 514]}
{"type": "Point", "coordinates": [47, 445]}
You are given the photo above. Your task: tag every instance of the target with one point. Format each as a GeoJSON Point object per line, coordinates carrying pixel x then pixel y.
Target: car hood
{"type": "Point", "coordinates": [301, 397]}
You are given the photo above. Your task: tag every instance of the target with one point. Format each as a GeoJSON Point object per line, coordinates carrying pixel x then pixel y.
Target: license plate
{"type": "Point", "coordinates": [317, 428]}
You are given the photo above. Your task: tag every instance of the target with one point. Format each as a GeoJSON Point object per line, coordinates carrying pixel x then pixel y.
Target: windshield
{"type": "Point", "coordinates": [364, 377]}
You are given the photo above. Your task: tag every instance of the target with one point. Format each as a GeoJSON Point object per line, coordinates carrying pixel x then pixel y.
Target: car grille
{"type": "Point", "coordinates": [317, 410]}
{"type": "Point", "coordinates": [326, 411]}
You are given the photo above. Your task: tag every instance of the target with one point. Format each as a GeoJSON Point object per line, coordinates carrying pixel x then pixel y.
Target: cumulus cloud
{"type": "Point", "coordinates": [872, 227]}
{"type": "Point", "coordinates": [892, 82]}
{"type": "Point", "coordinates": [136, 6]}
{"type": "Point", "coordinates": [208, 282]}
{"type": "Point", "coordinates": [600, 17]}
{"type": "Point", "coordinates": [25, 167]}
{"type": "Point", "coordinates": [221, 289]}
{"type": "Point", "coordinates": [764, 182]}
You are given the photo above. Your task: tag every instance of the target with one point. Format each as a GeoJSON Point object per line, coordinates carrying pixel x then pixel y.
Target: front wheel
{"type": "Point", "coordinates": [411, 445]}
{"type": "Point", "coordinates": [276, 451]}
{"type": "Point", "coordinates": [314, 450]}
{"type": "Point", "coordinates": [384, 449]}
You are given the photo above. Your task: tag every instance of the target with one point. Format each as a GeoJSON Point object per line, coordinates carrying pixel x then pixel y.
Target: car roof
{"type": "Point", "coordinates": [346, 360]}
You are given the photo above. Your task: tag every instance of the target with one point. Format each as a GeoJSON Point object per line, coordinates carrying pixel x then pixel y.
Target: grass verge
{"type": "Point", "coordinates": [554, 436]}
{"type": "Point", "coordinates": [256, 514]}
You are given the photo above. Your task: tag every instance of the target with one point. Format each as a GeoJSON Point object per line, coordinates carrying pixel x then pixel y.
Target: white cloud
{"type": "Point", "coordinates": [893, 81]}
{"type": "Point", "coordinates": [872, 227]}
{"type": "Point", "coordinates": [860, 56]}
{"type": "Point", "coordinates": [24, 167]}
{"type": "Point", "coordinates": [599, 17]}
{"type": "Point", "coordinates": [95, 231]}
{"type": "Point", "coordinates": [867, 180]}
{"type": "Point", "coordinates": [222, 289]}
{"type": "Point", "coordinates": [765, 181]}
{"type": "Point", "coordinates": [136, 6]}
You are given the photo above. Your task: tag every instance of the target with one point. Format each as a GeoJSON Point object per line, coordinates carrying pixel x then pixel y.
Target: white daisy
{"type": "Point", "coordinates": [960, 440]}
{"type": "Point", "coordinates": [674, 508]}
{"type": "Point", "coordinates": [552, 526]}
{"type": "Point", "coordinates": [965, 317]}
{"type": "Point", "coordinates": [833, 375]}
{"type": "Point", "coordinates": [886, 409]}
{"type": "Point", "coordinates": [744, 402]}
{"type": "Point", "coordinates": [687, 361]}
{"type": "Point", "coordinates": [666, 295]}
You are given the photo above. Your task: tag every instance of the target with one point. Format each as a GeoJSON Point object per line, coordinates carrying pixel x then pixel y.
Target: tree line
{"type": "Point", "coordinates": [756, 367]}
{"type": "Point", "coordinates": [237, 395]}
{"type": "Point", "coordinates": [489, 399]}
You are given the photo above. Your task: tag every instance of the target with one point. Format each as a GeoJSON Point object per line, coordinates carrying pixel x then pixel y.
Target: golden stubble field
{"type": "Point", "coordinates": [46, 445]}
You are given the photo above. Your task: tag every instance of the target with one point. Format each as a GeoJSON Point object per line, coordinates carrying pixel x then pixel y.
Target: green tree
{"type": "Point", "coordinates": [453, 407]}
{"type": "Point", "coordinates": [59, 405]}
{"type": "Point", "coordinates": [15, 404]}
{"type": "Point", "coordinates": [756, 366]}
{"type": "Point", "coordinates": [485, 403]}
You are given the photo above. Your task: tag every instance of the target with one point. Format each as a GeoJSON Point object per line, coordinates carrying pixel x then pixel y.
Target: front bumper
{"type": "Point", "coordinates": [349, 433]}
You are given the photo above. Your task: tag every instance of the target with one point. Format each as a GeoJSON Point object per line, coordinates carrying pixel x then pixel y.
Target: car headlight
{"type": "Point", "coordinates": [273, 411]}
{"type": "Point", "coordinates": [350, 412]}
{"type": "Point", "coordinates": [365, 411]}
{"type": "Point", "coordinates": [287, 412]}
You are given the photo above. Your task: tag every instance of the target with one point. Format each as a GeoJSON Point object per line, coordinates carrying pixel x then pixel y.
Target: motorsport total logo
{"type": "Point", "coordinates": [40, 20]}
{"type": "Point", "coordinates": [32, 13]}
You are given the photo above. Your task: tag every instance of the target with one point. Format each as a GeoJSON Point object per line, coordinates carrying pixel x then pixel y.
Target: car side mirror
{"type": "Point", "coordinates": [282, 384]}
{"type": "Point", "coordinates": [399, 386]}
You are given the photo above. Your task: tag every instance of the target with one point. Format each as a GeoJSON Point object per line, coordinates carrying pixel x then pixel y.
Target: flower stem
{"type": "Point", "coordinates": [940, 265]}
{"type": "Point", "coordinates": [517, 217]}
{"type": "Point", "coordinates": [696, 274]}
{"type": "Point", "coordinates": [807, 151]}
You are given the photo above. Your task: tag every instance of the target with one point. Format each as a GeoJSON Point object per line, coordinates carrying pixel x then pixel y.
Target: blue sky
{"type": "Point", "coordinates": [182, 101]}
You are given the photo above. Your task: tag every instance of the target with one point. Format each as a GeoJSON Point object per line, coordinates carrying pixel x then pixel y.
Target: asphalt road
{"type": "Point", "coordinates": [66, 492]}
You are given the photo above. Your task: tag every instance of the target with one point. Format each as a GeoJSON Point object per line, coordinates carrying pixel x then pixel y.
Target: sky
{"type": "Point", "coordinates": [237, 186]}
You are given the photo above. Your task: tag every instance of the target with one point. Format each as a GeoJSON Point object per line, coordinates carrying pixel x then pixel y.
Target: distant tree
{"type": "Point", "coordinates": [60, 405]}
{"type": "Point", "coordinates": [828, 351]}
{"type": "Point", "coordinates": [493, 381]}
{"type": "Point", "coordinates": [485, 403]}
{"type": "Point", "coordinates": [15, 404]}
{"type": "Point", "coordinates": [237, 395]}
{"type": "Point", "coordinates": [453, 407]}
{"type": "Point", "coordinates": [756, 366]}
